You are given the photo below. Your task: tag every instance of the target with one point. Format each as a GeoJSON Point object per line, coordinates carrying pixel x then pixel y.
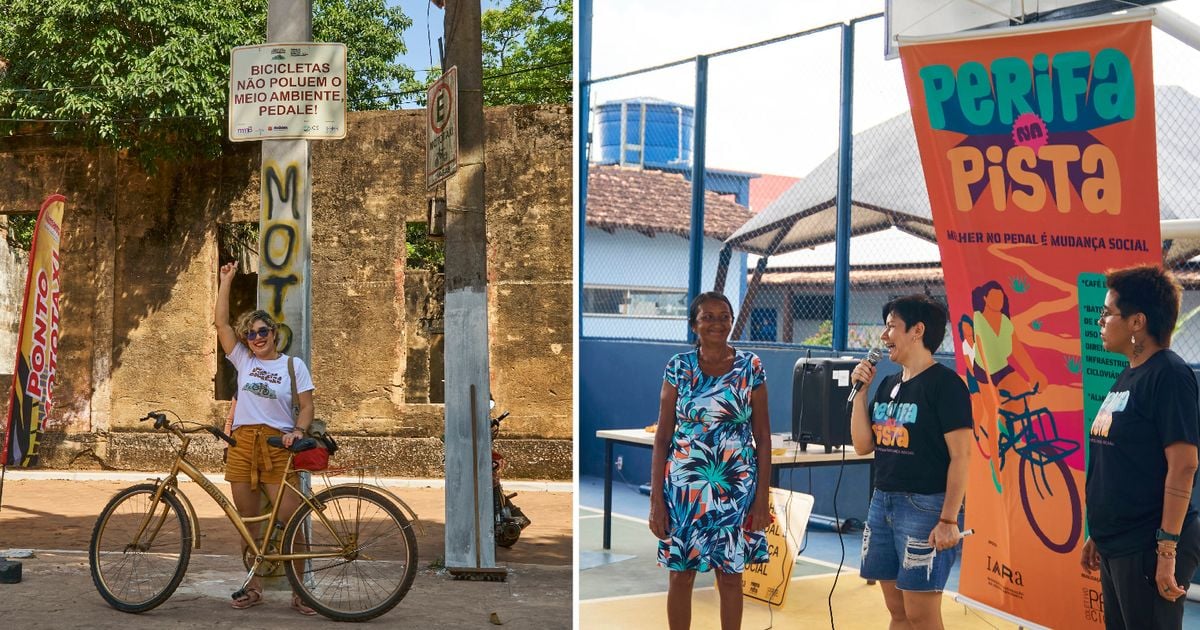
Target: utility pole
{"type": "Point", "coordinates": [470, 546]}
{"type": "Point", "coordinates": [285, 219]}
{"type": "Point", "coordinates": [285, 226]}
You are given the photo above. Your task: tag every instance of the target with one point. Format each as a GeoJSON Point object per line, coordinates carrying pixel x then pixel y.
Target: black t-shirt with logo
{"type": "Point", "coordinates": [1148, 408]}
{"type": "Point", "coordinates": [910, 420]}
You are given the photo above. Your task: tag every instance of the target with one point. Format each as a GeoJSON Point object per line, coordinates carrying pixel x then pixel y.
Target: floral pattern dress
{"type": "Point", "coordinates": [712, 470]}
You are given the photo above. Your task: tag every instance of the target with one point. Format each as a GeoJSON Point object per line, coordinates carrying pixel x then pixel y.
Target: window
{"type": "Point", "coordinates": [815, 306]}
{"type": "Point", "coordinates": [236, 242]}
{"type": "Point", "coordinates": [634, 302]}
{"type": "Point", "coordinates": [762, 324]}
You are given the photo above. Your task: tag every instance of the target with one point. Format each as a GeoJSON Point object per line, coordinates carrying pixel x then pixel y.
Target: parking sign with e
{"type": "Point", "coordinates": [441, 153]}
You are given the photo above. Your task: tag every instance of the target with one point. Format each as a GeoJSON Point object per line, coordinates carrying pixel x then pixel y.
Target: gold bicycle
{"type": "Point", "coordinates": [360, 553]}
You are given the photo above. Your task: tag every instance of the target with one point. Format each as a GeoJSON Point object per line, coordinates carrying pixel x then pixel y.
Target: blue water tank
{"type": "Point", "coordinates": [657, 133]}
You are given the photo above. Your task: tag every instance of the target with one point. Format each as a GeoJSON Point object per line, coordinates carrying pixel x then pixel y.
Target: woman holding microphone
{"type": "Point", "coordinates": [919, 426]}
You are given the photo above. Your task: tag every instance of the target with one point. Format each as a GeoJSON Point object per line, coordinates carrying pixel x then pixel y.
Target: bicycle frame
{"type": "Point", "coordinates": [235, 518]}
{"type": "Point", "coordinates": [1032, 441]}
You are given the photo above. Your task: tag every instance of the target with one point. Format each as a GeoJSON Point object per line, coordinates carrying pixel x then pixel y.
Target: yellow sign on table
{"type": "Point", "coordinates": [768, 582]}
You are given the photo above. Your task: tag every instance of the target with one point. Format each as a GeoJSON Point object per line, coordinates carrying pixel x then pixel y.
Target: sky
{"type": "Point", "coordinates": [774, 109]}
{"type": "Point", "coordinates": [421, 38]}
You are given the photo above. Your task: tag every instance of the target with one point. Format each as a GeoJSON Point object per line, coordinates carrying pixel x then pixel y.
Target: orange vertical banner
{"type": "Point", "coordinates": [1039, 154]}
{"type": "Point", "coordinates": [37, 339]}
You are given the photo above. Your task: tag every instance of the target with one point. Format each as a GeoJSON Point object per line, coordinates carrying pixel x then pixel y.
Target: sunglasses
{"type": "Point", "coordinates": [261, 332]}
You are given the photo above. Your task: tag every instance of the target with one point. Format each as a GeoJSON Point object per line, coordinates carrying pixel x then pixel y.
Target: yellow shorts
{"type": "Point", "coordinates": [253, 460]}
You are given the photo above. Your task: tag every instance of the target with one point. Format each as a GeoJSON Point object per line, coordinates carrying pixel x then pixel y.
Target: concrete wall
{"type": "Point", "coordinates": [139, 263]}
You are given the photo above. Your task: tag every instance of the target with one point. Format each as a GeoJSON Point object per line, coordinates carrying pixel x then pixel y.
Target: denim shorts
{"type": "Point", "coordinates": [896, 542]}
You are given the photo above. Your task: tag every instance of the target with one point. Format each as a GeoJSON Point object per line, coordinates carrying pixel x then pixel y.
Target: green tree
{"type": "Point", "coordinates": [20, 230]}
{"type": "Point", "coordinates": [373, 34]}
{"type": "Point", "coordinates": [527, 52]}
{"type": "Point", "coordinates": [423, 252]}
{"type": "Point", "coordinates": [527, 55]}
{"type": "Point", "coordinates": [823, 336]}
{"type": "Point", "coordinates": [152, 76]}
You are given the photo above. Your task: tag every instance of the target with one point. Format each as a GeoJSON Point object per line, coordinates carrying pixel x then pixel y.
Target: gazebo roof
{"type": "Point", "coordinates": [889, 187]}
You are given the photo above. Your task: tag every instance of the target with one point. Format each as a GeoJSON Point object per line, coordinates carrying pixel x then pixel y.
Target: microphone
{"type": "Point", "coordinates": [873, 358]}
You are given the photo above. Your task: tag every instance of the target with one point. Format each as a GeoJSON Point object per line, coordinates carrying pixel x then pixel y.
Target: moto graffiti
{"type": "Point", "coordinates": [282, 243]}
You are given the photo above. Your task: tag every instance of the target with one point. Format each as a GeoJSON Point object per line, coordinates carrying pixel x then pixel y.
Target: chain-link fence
{"type": "Point", "coordinates": [771, 116]}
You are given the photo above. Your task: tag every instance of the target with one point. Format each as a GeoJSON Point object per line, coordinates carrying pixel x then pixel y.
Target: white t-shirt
{"type": "Point", "coordinates": [264, 389]}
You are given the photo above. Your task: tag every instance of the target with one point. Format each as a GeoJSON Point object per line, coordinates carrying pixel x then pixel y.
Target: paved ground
{"type": "Point", "coordinates": [625, 586]}
{"type": "Point", "coordinates": [55, 519]}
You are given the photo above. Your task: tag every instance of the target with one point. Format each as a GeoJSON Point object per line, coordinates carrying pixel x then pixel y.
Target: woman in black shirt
{"type": "Point", "coordinates": [1143, 533]}
{"type": "Point", "coordinates": [919, 427]}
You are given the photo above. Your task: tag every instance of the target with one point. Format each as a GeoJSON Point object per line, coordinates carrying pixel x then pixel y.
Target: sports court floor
{"type": "Point", "coordinates": [625, 588]}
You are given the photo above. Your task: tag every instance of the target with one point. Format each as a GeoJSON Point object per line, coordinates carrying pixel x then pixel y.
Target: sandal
{"type": "Point", "coordinates": [298, 606]}
{"type": "Point", "coordinates": [249, 599]}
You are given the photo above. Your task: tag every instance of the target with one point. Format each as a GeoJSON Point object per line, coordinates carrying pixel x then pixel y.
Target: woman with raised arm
{"type": "Point", "coordinates": [709, 498]}
{"type": "Point", "coordinates": [264, 410]}
{"type": "Point", "coordinates": [1143, 534]}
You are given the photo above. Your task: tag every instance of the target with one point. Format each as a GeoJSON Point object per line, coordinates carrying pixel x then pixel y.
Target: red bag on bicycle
{"type": "Point", "coordinates": [313, 460]}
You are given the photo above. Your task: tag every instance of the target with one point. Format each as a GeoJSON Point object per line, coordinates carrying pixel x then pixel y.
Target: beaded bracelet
{"type": "Point", "coordinates": [1169, 554]}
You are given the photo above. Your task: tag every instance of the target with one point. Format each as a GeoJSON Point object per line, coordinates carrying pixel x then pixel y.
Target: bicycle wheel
{"type": "Point", "coordinates": [137, 562]}
{"type": "Point", "coordinates": [376, 554]}
{"type": "Point", "coordinates": [1047, 485]}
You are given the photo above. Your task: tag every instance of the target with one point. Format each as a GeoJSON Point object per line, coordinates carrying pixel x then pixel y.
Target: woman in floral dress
{"type": "Point", "coordinates": [711, 448]}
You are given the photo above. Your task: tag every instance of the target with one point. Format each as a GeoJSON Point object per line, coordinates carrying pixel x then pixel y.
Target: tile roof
{"type": "Point", "coordinates": [650, 201]}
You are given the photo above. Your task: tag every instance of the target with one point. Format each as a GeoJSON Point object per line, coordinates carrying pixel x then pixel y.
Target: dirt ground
{"type": "Point", "coordinates": [55, 519]}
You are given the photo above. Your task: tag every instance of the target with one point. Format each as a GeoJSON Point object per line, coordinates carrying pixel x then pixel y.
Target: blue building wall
{"type": "Point", "coordinates": [630, 259]}
{"type": "Point", "coordinates": [619, 385]}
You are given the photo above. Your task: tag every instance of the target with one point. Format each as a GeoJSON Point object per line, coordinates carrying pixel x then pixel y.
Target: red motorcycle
{"type": "Point", "coordinates": [510, 520]}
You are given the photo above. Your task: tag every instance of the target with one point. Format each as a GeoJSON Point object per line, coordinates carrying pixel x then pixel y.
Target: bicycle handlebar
{"type": "Point", "coordinates": [303, 444]}
{"type": "Point", "coordinates": [161, 422]}
{"type": "Point", "coordinates": [159, 418]}
{"type": "Point", "coordinates": [217, 433]}
{"type": "Point", "coordinates": [1004, 393]}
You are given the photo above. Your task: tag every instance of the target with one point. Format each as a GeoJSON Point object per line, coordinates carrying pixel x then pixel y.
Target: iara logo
{"type": "Point", "coordinates": [1004, 572]}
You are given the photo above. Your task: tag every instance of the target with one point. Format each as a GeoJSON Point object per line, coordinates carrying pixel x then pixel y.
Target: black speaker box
{"type": "Point", "coordinates": [820, 387]}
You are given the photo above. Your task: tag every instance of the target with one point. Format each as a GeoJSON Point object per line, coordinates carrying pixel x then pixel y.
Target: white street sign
{"type": "Point", "coordinates": [285, 91]}
{"type": "Point", "coordinates": [441, 112]}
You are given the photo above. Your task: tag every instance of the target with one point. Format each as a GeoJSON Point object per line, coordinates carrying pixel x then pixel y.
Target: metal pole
{"type": "Point", "coordinates": [582, 113]}
{"type": "Point", "coordinates": [696, 251]}
{"type": "Point", "coordinates": [285, 227]}
{"type": "Point", "coordinates": [1177, 26]}
{"type": "Point", "coordinates": [468, 460]}
{"type": "Point", "coordinates": [285, 220]}
{"type": "Point", "coordinates": [723, 268]}
{"type": "Point", "coordinates": [841, 270]}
